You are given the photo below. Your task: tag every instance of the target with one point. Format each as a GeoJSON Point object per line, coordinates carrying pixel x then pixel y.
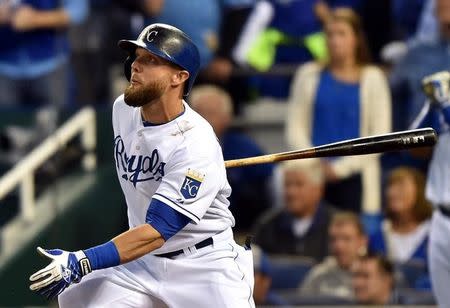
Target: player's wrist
{"type": "Point", "coordinates": [102, 256]}
{"type": "Point", "coordinates": [83, 262]}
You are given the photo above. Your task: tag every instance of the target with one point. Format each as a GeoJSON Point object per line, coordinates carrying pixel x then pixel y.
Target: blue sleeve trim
{"type": "Point", "coordinates": [166, 220]}
{"type": "Point", "coordinates": [103, 256]}
{"type": "Point", "coordinates": [177, 205]}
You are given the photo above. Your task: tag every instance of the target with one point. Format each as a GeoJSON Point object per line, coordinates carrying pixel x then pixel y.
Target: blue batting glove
{"type": "Point", "coordinates": [64, 269]}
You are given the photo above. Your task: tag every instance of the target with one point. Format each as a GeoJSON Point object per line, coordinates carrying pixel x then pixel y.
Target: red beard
{"type": "Point", "coordinates": [143, 94]}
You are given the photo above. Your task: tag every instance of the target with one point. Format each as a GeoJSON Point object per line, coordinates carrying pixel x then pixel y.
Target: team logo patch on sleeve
{"type": "Point", "coordinates": [191, 184]}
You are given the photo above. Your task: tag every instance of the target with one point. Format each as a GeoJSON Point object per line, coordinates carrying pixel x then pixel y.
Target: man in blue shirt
{"type": "Point", "coordinates": [420, 61]}
{"type": "Point", "coordinates": [425, 58]}
{"type": "Point", "coordinates": [34, 51]}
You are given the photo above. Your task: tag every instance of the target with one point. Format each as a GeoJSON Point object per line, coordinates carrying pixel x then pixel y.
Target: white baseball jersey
{"type": "Point", "coordinates": [179, 163]}
{"type": "Point", "coordinates": [438, 192]}
{"type": "Point", "coordinates": [438, 178]}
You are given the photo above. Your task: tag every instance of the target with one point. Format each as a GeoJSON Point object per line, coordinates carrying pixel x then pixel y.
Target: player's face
{"type": "Point", "coordinates": [301, 194]}
{"type": "Point", "coordinates": [151, 77]}
{"type": "Point", "coordinates": [341, 40]}
{"type": "Point", "coordinates": [346, 243]}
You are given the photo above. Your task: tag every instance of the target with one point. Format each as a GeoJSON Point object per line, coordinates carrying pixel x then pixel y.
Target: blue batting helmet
{"type": "Point", "coordinates": [169, 43]}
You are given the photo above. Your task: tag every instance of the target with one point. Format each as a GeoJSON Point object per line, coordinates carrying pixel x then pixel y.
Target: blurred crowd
{"type": "Point", "coordinates": [346, 230]}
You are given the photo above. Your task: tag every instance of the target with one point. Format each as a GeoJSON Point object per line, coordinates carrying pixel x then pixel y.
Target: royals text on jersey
{"type": "Point", "coordinates": [137, 168]}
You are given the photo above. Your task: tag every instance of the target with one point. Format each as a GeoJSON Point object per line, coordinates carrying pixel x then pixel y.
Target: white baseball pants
{"type": "Point", "coordinates": [219, 275]}
{"type": "Point", "coordinates": [439, 258]}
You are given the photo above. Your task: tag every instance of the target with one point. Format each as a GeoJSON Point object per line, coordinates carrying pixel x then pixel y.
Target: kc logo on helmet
{"type": "Point", "coordinates": [151, 36]}
{"type": "Point", "coordinates": [191, 184]}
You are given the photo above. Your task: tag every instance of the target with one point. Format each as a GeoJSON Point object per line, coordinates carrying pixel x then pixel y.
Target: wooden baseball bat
{"type": "Point", "coordinates": [402, 140]}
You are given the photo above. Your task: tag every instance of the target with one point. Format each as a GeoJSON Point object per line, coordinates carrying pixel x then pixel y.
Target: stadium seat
{"type": "Point", "coordinates": [414, 274]}
{"type": "Point", "coordinates": [297, 299]}
{"type": "Point", "coordinates": [289, 272]}
{"type": "Point", "coordinates": [415, 297]}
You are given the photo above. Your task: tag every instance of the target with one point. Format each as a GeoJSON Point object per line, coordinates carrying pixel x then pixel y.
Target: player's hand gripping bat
{"type": "Point", "coordinates": [366, 145]}
{"type": "Point", "coordinates": [437, 87]}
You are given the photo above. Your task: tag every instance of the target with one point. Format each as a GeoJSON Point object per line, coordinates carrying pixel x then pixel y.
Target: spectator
{"type": "Point", "coordinates": [403, 235]}
{"type": "Point", "coordinates": [34, 53]}
{"type": "Point", "coordinates": [99, 78]}
{"type": "Point", "coordinates": [427, 29]}
{"type": "Point", "coordinates": [342, 99]}
{"type": "Point", "coordinates": [277, 33]}
{"type": "Point", "coordinates": [377, 24]}
{"type": "Point", "coordinates": [250, 195]}
{"type": "Point", "coordinates": [209, 16]}
{"type": "Point", "coordinates": [425, 54]}
{"type": "Point", "coordinates": [406, 16]}
{"type": "Point", "coordinates": [414, 22]}
{"type": "Point", "coordinates": [300, 227]}
{"type": "Point", "coordinates": [408, 21]}
{"type": "Point", "coordinates": [332, 277]}
{"type": "Point", "coordinates": [373, 281]}
{"type": "Point", "coordinates": [422, 60]}
{"type": "Point", "coordinates": [148, 7]}
{"type": "Point", "coordinates": [393, 25]}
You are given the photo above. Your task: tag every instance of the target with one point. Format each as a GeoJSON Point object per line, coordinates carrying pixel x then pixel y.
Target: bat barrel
{"type": "Point", "coordinates": [366, 145]}
{"type": "Point", "coordinates": [396, 141]}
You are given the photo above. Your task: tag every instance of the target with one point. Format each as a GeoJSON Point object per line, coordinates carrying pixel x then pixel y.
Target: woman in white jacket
{"type": "Point", "coordinates": [342, 99]}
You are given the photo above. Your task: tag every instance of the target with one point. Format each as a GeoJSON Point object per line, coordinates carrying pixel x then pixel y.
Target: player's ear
{"type": "Point", "coordinates": [179, 77]}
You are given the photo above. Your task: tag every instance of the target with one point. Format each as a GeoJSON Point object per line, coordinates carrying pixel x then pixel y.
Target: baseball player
{"type": "Point", "coordinates": [436, 113]}
{"type": "Point", "coordinates": [179, 250]}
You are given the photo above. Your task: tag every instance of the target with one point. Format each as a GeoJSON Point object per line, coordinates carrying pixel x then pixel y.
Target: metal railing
{"type": "Point", "coordinates": [22, 174]}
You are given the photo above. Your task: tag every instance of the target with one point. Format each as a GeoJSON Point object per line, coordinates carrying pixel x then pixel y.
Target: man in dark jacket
{"type": "Point", "coordinates": [300, 227]}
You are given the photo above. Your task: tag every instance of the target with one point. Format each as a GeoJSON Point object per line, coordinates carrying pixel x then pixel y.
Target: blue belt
{"type": "Point", "coordinates": [204, 243]}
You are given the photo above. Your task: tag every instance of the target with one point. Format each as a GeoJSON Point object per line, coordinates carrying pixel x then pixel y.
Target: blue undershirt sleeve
{"type": "Point", "coordinates": [165, 219]}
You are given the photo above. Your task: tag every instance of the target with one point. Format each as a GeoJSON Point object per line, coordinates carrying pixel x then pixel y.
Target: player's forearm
{"type": "Point", "coordinates": [67, 267]}
{"type": "Point", "coordinates": [137, 242]}
{"type": "Point", "coordinates": [124, 248]}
